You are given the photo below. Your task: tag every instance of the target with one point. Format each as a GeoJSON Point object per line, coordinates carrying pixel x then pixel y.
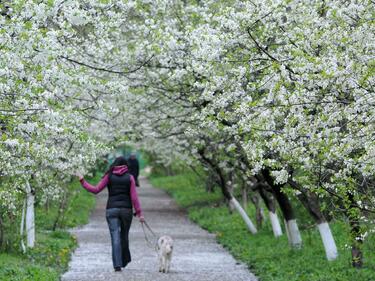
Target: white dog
{"type": "Point", "coordinates": [165, 248]}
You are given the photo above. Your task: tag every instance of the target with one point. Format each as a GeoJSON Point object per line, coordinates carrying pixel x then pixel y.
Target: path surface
{"type": "Point", "coordinates": [196, 256]}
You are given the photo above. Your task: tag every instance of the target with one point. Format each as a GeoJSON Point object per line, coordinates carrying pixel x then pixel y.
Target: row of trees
{"type": "Point", "coordinates": [275, 97]}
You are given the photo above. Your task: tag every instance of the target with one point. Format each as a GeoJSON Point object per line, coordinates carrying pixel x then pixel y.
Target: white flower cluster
{"type": "Point", "coordinates": [279, 85]}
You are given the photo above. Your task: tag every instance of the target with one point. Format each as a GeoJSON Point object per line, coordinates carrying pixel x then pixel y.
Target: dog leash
{"type": "Point", "coordinates": [149, 243]}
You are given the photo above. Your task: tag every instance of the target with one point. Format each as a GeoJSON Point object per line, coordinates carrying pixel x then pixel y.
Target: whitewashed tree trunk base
{"type": "Point", "coordinates": [276, 227]}
{"type": "Point", "coordinates": [244, 215]}
{"type": "Point", "coordinates": [287, 231]}
{"type": "Point", "coordinates": [328, 241]}
{"type": "Point", "coordinates": [30, 217]}
{"type": "Point", "coordinates": [23, 227]}
{"type": "Point", "coordinates": [295, 239]}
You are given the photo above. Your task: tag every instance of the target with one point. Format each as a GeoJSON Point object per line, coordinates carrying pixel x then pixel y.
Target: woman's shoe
{"type": "Point", "coordinates": [117, 269]}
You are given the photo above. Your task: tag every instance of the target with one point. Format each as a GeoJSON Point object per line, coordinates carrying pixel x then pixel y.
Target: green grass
{"type": "Point", "coordinates": [18, 268]}
{"type": "Point", "coordinates": [269, 258]}
{"type": "Point", "coordinates": [186, 189]}
{"type": "Point", "coordinates": [51, 254]}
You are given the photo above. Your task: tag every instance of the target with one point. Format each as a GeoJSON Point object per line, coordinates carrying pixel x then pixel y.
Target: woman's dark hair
{"type": "Point", "coordinates": [119, 161]}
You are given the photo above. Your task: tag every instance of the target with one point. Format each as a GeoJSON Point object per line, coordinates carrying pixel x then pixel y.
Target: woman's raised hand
{"type": "Point", "coordinates": [79, 175]}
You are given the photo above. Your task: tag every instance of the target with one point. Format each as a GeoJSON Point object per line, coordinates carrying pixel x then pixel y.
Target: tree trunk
{"type": "Point", "coordinates": [275, 223]}
{"type": "Point", "coordinates": [46, 205]}
{"type": "Point", "coordinates": [355, 231]}
{"type": "Point", "coordinates": [311, 203]}
{"type": "Point", "coordinates": [294, 234]}
{"type": "Point", "coordinates": [230, 184]}
{"type": "Point", "coordinates": [295, 239]}
{"type": "Point", "coordinates": [287, 230]}
{"type": "Point", "coordinates": [30, 216]}
{"type": "Point", "coordinates": [328, 241]}
{"type": "Point", "coordinates": [225, 191]}
{"type": "Point", "coordinates": [270, 204]}
{"type": "Point", "coordinates": [357, 256]}
{"type": "Point", "coordinates": [243, 214]}
{"type": "Point", "coordinates": [258, 213]}
{"type": "Point", "coordinates": [22, 227]}
{"type": "Point", "coordinates": [244, 196]}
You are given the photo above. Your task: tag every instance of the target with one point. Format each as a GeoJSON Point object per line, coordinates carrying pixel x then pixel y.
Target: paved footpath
{"type": "Point", "coordinates": [196, 256]}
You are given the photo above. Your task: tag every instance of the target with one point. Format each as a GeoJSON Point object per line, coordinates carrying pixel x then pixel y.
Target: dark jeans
{"type": "Point", "coordinates": [119, 221]}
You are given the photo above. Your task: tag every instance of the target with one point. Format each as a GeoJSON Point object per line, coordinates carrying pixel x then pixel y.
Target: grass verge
{"type": "Point", "coordinates": [51, 254]}
{"type": "Point", "coordinates": [268, 258]}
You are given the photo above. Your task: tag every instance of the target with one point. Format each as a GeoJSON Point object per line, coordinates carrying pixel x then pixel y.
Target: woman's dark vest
{"type": "Point", "coordinates": [119, 191]}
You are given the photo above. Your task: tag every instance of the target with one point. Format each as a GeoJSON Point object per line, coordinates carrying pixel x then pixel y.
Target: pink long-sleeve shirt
{"type": "Point", "coordinates": [118, 170]}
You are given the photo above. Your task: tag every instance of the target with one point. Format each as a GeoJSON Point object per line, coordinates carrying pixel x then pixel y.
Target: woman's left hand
{"type": "Point", "coordinates": [142, 219]}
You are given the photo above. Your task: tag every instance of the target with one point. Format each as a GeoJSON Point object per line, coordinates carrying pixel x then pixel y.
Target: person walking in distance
{"type": "Point", "coordinates": [122, 198]}
{"type": "Point", "coordinates": [134, 167]}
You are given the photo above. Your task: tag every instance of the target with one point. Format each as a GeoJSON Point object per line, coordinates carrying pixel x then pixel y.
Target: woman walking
{"type": "Point", "coordinates": [122, 197]}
